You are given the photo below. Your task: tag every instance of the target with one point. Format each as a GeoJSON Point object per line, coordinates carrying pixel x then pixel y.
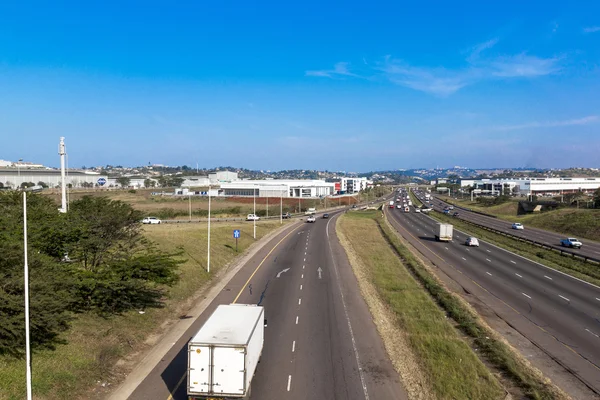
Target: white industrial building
{"type": "Point", "coordinates": [222, 177]}
{"type": "Point", "coordinates": [14, 177]}
{"type": "Point", "coordinates": [278, 188]}
{"type": "Point", "coordinates": [537, 186]}
{"type": "Point", "coordinates": [354, 185]}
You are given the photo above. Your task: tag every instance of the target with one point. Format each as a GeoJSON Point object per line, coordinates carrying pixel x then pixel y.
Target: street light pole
{"type": "Point", "coordinates": [190, 203]}
{"type": "Point", "coordinates": [208, 253]}
{"type": "Point", "coordinates": [281, 207]}
{"type": "Point", "coordinates": [254, 198]}
{"type": "Point", "coordinates": [26, 274]}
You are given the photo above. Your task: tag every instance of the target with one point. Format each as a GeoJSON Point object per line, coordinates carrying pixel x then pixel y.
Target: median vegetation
{"type": "Point", "coordinates": [101, 285]}
{"type": "Point", "coordinates": [421, 306]}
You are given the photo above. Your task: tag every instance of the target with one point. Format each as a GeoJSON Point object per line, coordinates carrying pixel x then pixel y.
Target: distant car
{"type": "Point", "coordinates": [571, 242]}
{"type": "Point", "coordinates": [252, 217]}
{"type": "Point", "coordinates": [417, 210]}
{"type": "Point", "coordinates": [325, 215]}
{"type": "Point", "coordinates": [151, 220]}
{"type": "Point", "coordinates": [518, 225]}
{"type": "Point", "coordinates": [455, 214]}
{"type": "Point", "coordinates": [311, 219]}
{"type": "Point", "coordinates": [472, 241]}
{"type": "Point", "coordinates": [286, 215]}
{"type": "Point", "coordinates": [426, 210]}
{"type": "Point", "coordinates": [398, 206]}
{"type": "Point", "coordinates": [450, 207]}
{"type": "Point", "coordinates": [447, 212]}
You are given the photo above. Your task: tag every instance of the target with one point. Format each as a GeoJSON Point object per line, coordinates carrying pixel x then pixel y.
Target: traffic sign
{"type": "Point", "coordinates": [101, 181]}
{"type": "Point", "coordinates": [236, 233]}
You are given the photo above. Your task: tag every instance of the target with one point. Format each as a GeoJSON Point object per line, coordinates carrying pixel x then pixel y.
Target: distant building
{"type": "Point", "coordinates": [279, 188]}
{"type": "Point", "coordinates": [537, 186]}
{"type": "Point", "coordinates": [354, 185]}
{"type": "Point", "coordinates": [223, 177]}
{"type": "Point", "coordinates": [4, 163]}
{"type": "Point", "coordinates": [14, 177]}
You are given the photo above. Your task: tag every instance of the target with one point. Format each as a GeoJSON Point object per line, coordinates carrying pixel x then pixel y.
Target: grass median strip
{"type": "Point", "coordinates": [85, 366]}
{"type": "Point", "coordinates": [588, 272]}
{"type": "Point", "coordinates": [451, 368]}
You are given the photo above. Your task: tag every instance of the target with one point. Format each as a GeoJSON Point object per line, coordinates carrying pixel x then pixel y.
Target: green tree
{"type": "Point", "coordinates": [42, 184]}
{"type": "Point", "coordinates": [176, 181]}
{"type": "Point", "coordinates": [25, 185]}
{"type": "Point", "coordinates": [597, 197]}
{"type": "Point", "coordinates": [149, 183]}
{"type": "Point", "coordinates": [124, 181]}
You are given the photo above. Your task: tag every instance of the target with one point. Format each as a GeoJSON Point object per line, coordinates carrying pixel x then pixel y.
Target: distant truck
{"type": "Point", "coordinates": [444, 233]}
{"type": "Point", "coordinates": [391, 204]}
{"type": "Point", "coordinates": [223, 355]}
{"type": "Point", "coordinates": [427, 196]}
{"type": "Point", "coordinates": [311, 211]}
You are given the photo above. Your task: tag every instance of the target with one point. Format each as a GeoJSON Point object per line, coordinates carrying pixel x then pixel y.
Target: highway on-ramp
{"type": "Point", "coordinates": [320, 340]}
{"type": "Point", "coordinates": [559, 313]}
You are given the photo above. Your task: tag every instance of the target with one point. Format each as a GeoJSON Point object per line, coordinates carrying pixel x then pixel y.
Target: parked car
{"type": "Point", "coordinates": [518, 225]}
{"type": "Point", "coordinates": [286, 215]}
{"type": "Point", "coordinates": [571, 242]}
{"type": "Point", "coordinates": [311, 219]}
{"type": "Point", "coordinates": [252, 217]}
{"type": "Point", "coordinates": [151, 220]}
{"type": "Point", "coordinates": [325, 215]}
{"type": "Point", "coordinates": [472, 241]}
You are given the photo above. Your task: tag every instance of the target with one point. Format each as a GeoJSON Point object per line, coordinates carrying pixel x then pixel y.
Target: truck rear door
{"type": "Point", "coordinates": [199, 369]}
{"type": "Point", "coordinates": [229, 370]}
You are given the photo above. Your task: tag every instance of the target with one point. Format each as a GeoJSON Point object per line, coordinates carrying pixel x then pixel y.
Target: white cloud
{"type": "Point", "coordinates": [591, 29]}
{"type": "Point", "coordinates": [523, 65]}
{"type": "Point", "coordinates": [339, 69]}
{"type": "Point", "coordinates": [548, 124]}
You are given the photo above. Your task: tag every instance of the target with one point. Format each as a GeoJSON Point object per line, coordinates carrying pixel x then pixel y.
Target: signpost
{"type": "Point", "coordinates": [101, 181]}
{"type": "Point", "coordinates": [236, 235]}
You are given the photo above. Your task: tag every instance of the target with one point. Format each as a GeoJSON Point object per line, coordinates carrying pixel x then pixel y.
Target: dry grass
{"type": "Point", "coordinates": [443, 366]}
{"type": "Point", "coordinates": [74, 370]}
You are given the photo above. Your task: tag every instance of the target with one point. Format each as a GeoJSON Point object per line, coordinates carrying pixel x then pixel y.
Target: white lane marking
{"type": "Point", "coordinates": [526, 295]}
{"type": "Point", "coordinates": [597, 299]}
{"type": "Point", "coordinates": [304, 260]}
{"type": "Point", "coordinates": [445, 247]}
{"type": "Point", "coordinates": [512, 262]}
{"type": "Point", "coordinates": [302, 276]}
{"type": "Point", "coordinates": [467, 250]}
{"type": "Point", "coordinates": [591, 332]}
{"type": "Point", "coordinates": [296, 320]}
{"type": "Point", "coordinates": [293, 346]}
{"type": "Point", "coordinates": [488, 273]}
{"type": "Point", "coordinates": [488, 259]}
{"type": "Point", "coordinates": [281, 272]}
{"type": "Point", "coordinates": [304, 253]}
{"type": "Point", "coordinates": [303, 267]}
{"type": "Point", "coordinates": [358, 364]}
{"type": "Point", "coordinates": [464, 258]}
{"type": "Point", "coordinates": [488, 251]}
{"type": "Point", "coordinates": [319, 271]}
{"type": "Point", "coordinates": [547, 277]}
{"type": "Point", "coordinates": [518, 275]}
{"type": "Point", "coordinates": [299, 301]}
{"type": "Point", "coordinates": [300, 287]}
{"type": "Point", "coordinates": [563, 297]}
{"type": "Point", "coordinates": [289, 382]}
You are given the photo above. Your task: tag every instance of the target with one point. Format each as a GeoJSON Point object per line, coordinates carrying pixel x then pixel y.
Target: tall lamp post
{"type": "Point", "coordinates": [208, 253]}
{"type": "Point", "coordinates": [254, 198]}
{"type": "Point", "coordinates": [281, 207]}
{"type": "Point", "coordinates": [26, 284]}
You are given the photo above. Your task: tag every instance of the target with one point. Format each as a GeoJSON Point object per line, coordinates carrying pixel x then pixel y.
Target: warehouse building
{"type": "Point", "coordinates": [14, 177]}
{"type": "Point", "coordinates": [278, 188]}
{"type": "Point", "coordinates": [537, 186]}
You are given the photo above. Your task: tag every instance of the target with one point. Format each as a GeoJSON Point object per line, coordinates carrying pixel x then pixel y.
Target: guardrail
{"type": "Point", "coordinates": [536, 243]}
{"type": "Point", "coordinates": [467, 209]}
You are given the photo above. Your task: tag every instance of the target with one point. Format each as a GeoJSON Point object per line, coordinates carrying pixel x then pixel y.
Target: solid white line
{"type": "Point", "coordinates": [512, 262]}
{"type": "Point", "coordinates": [293, 346]}
{"type": "Point", "coordinates": [296, 320]}
{"type": "Point", "coordinates": [525, 295]}
{"type": "Point", "coordinates": [358, 364]}
{"type": "Point", "coordinates": [546, 276]}
{"type": "Point", "coordinates": [299, 301]}
{"type": "Point", "coordinates": [591, 332]}
{"type": "Point", "coordinates": [518, 275]}
{"type": "Point", "coordinates": [488, 273]}
{"type": "Point", "coordinates": [289, 382]}
{"type": "Point", "coordinates": [563, 297]}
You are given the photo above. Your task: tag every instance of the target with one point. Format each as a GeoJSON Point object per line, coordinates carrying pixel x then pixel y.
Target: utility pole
{"type": "Point", "coordinates": [281, 207]}
{"type": "Point", "coordinates": [26, 284]}
{"type": "Point", "coordinates": [208, 253]}
{"type": "Point", "coordinates": [62, 152]}
{"type": "Point", "coordinates": [190, 204]}
{"type": "Point", "coordinates": [254, 198]}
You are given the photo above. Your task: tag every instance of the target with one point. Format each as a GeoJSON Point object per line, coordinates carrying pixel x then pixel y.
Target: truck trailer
{"type": "Point", "coordinates": [224, 353]}
{"type": "Point", "coordinates": [444, 233]}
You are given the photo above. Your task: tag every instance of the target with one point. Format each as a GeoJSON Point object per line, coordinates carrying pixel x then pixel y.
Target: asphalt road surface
{"type": "Point", "coordinates": [559, 313]}
{"type": "Point", "coordinates": [589, 249]}
{"type": "Point", "coordinates": [320, 341]}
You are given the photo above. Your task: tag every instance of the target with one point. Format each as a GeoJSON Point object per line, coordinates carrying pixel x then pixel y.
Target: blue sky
{"type": "Point", "coordinates": [274, 85]}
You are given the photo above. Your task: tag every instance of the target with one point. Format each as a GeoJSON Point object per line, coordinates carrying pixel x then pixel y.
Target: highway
{"type": "Point", "coordinates": [320, 341]}
{"type": "Point", "coordinates": [559, 313]}
{"type": "Point", "coordinates": [589, 249]}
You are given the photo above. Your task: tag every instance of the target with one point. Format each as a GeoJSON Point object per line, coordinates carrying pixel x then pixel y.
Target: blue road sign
{"type": "Point", "coordinates": [236, 233]}
{"type": "Point", "coordinates": [101, 181]}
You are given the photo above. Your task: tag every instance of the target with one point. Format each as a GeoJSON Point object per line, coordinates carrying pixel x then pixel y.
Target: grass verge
{"type": "Point", "coordinates": [451, 368]}
{"type": "Point", "coordinates": [78, 369]}
{"type": "Point", "coordinates": [585, 271]}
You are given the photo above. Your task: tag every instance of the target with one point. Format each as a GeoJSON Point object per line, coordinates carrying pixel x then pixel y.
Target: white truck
{"type": "Point", "coordinates": [224, 354]}
{"type": "Point", "coordinates": [444, 233]}
{"type": "Point", "coordinates": [311, 211]}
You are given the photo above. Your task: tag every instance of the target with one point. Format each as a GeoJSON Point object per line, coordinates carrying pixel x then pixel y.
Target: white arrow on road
{"type": "Point", "coordinates": [281, 272]}
{"type": "Point", "coordinates": [319, 271]}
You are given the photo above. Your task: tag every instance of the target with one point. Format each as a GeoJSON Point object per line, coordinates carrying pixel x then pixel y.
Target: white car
{"type": "Point", "coordinates": [518, 225]}
{"type": "Point", "coordinates": [311, 219]}
{"type": "Point", "coordinates": [417, 210]}
{"type": "Point", "coordinates": [151, 220]}
{"type": "Point", "coordinates": [472, 241]}
{"type": "Point", "coordinates": [252, 217]}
